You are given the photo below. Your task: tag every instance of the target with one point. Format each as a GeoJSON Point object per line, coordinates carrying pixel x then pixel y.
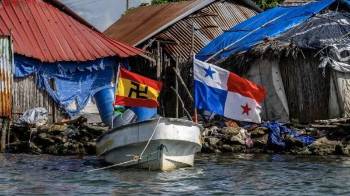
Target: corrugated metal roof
{"type": "Point", "coordinates": [140, 23]}
{"type": "Point", "coordinates": [42, 31]}
{"type": "Point", "coordinates": [209, 23]}
{"type": "Point", "coordinates": [171, 22]}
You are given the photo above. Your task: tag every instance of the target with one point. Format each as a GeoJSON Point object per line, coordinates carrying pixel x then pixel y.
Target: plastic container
{"type": "Point", "coordinates": [144, 113]}
{"type": "Point", "coordinates": [104, 101]}
{"type": "Point", "coordinates": [126, 118]}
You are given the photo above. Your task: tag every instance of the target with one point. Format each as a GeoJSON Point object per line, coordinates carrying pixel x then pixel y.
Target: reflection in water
{"type": "Point", "coordinates": [240, 174]}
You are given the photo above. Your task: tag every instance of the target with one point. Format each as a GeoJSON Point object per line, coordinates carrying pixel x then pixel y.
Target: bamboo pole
{"type": "Point", "coordinates": [183, 83]}
{"type": "Point", "coordinates": [192, 54]}
{"type": "Point", "coordinates": [177, 89]}
{"type": "Point", "coordinates": [182, 103]}
{"type": "Point", "coordinates": [158, 61]}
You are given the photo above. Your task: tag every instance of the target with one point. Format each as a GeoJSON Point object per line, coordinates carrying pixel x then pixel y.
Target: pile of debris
{"type": "Point", "coordinates": [33, 135]}
{"type": "Point", "coordinates": [324, 137]}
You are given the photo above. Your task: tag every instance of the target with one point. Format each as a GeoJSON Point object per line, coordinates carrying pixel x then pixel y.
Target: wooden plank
{"type": "Point", "coordinates": [323, 126]}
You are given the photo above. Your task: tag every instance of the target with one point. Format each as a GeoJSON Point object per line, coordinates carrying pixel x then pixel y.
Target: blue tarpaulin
{"type": "Point", "coordinates": [277, 131]}
{"type": "Point", "coordinates": [255, 30]}
{"type": "Point", "coordinates": [70, 84]}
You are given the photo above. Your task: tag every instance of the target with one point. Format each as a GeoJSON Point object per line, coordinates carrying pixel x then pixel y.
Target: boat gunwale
{"type": "Point", "coordinates": [144, 122]}
{"type": "Point", "coordinates": [115, 148]}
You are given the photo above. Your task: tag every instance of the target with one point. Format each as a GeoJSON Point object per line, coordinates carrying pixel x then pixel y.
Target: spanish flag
{"type": "Point", "coordinates": [136, 90]}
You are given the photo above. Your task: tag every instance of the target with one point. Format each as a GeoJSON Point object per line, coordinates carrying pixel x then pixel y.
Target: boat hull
{"type": "Point", "coordinates": [173, 144]}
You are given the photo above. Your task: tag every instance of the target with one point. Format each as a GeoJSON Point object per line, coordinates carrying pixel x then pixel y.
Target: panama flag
{"type": "Point", "coordinates": [225, 93]}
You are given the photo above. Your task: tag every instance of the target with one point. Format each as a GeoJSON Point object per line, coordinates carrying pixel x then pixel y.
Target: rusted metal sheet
{"type": "Point", "coordinates": [209, 23]}
{"type": "Point", "coordinates": [42, 31]}
{"type": "Point", "coordinates": [143, 23]}
{"type": "Point", "coordinates": [6, 64]}
{"type": "Point", "coordinates": [210, 19]}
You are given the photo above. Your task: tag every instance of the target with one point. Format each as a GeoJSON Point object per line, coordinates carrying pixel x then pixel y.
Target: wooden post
{"type": "Point", "coordinates": [191, 55]}
{"type": "Point", "coordinates": [8, 133]}
{"type": "Point", "coordinates": [195, 115]}
{"type": "Point", "coordinates": [2, 125]}
{"type": "Point", "coordinates": [158, 60]}
{"type": "Point", "coordinates": [177, 89]}
{"type": "Point", "coordinates": [3, 134]}
{"type": "Point", "coordinates": [183, 84]}
{"type": "Point", "coordinates": [182, 103]}
{"type": "Point", "coordinates": [192, 41]}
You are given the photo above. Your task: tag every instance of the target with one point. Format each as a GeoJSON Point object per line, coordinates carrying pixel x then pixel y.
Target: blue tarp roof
{"type": "Point", "coordinates": [268, 24]}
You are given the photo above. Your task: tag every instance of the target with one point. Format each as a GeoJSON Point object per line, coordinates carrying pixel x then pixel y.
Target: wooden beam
{"type": "Point", "coordinates": [183, 83]}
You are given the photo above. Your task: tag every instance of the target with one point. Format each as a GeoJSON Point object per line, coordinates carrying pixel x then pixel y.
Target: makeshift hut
{"type": "Point", "coordinates": [58, 60]}
{"type": "Point", "coordinates": [171, 33]}
{"type": "Point", "coordinates": [299, 53]}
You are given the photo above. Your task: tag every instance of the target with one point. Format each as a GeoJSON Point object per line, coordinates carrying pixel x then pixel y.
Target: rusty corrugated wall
{"type": "Point", "coordinates": [6, 65]}
{"type": "Point", "coordinates": [209, 23]}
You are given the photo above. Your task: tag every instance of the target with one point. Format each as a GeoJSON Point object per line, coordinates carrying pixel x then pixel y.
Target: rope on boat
{"type": "Point", "coordinates": [135, 157]}
{"type": "Point", "coordinates": [149, 140]}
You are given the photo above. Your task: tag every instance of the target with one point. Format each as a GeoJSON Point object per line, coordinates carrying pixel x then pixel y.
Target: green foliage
{"type": "Point", "coordinates": [266, 4]}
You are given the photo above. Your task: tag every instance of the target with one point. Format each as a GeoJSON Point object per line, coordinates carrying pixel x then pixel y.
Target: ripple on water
{"type": "Point", "coordinates": [238, 174]}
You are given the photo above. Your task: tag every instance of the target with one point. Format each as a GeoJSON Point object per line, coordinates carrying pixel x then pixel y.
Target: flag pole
{"type": "Point", "coordinates": [195, 115]}
{"type": "Point", "coordinates": [115, 89]}
{"type": "Point", "coordinates": [194, 99]}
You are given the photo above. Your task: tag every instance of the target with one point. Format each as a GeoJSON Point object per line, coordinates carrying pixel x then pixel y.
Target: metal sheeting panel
{"type": "Point", "coordinates": [209, 23]}
{"type": "Point", "coordinates": [42, 31]}
{"type": "Point", "coordinates": [6, 64]}
{"type": "Point", "coordinates": [139, 23]}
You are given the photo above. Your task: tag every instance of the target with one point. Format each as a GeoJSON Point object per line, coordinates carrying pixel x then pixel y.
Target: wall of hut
{"type": "Point", "coordinates": [26, 95]}
{"type": "Point", "coordinates": [175, 46]}
{"type": "Point", "coordinates": [19, 95]}
{"type": "Point", "coordinates": [307, 87]}
{"type": "Point", "coordinates": [266, 72]}
{"type": "Point", "coordinates": [339, 101]}
{"type": "Point", "coordinates": [297, 89]}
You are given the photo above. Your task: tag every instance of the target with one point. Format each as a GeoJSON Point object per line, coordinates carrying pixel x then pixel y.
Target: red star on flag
{"type": "Point", "coordinates": [245, 109]}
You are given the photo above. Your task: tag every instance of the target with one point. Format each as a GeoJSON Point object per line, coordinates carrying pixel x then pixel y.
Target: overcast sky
{"type": "Point", "coordinates": [100, 13]}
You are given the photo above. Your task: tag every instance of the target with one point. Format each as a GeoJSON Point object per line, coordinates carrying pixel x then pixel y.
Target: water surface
{"type": "Point", "coordinates": [238, 174]}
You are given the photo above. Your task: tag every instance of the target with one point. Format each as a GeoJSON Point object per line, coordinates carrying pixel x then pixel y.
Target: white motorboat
{"type": "Point", "coordinates": [157, 144]}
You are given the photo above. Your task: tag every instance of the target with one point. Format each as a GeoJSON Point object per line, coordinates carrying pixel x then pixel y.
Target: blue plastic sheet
{"type": "Point", "coordinates": [74, 82]}
{"type": "Point", "coordinates": [277, 131]}
{"type": "Point", "coordinates": [255, 30]}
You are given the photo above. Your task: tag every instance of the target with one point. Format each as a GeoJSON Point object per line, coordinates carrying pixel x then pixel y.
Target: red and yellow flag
{"type": "Point", "coordinates": [136, 90]}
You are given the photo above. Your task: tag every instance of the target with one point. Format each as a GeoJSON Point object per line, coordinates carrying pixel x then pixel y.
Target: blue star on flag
{"type": "Point", "coordinates": [209, 72]}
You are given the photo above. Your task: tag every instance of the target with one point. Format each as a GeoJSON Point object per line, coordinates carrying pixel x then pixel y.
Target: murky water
{"type": "Point", "coordinates": [212, 174]}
